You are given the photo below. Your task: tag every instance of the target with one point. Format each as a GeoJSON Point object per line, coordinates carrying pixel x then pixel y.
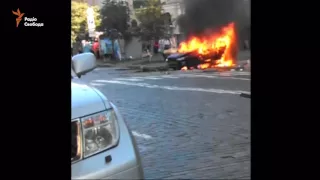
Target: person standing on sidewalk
{"type": "Point", "coordinates": [161, 46]}
{"type": "Point", "coordinates": [164, 45]}
{"type": "Point", "coordinates": [155, 47]}
{"type": "Point", "coordinates": [87, 47]}
{"type": "Point", "coordinates": [103, 48]}
{"type": "Point", "coordinates": [117, 52]}
{"type": "Point", "coordinates": [95, 48]}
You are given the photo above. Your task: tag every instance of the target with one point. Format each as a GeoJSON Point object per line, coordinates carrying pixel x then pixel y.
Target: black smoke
{"type": "Point", "coordinates": [201, 15]}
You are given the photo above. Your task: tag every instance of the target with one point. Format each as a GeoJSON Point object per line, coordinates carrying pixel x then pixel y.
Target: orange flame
{"type": "Point", "coordinates": [184, 68]}
{"type": "Point", "coordinates": [213, 43]}
{"type": "Point", "coordinates": [204, 66]}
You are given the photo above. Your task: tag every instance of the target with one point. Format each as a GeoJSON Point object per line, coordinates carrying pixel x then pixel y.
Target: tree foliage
{"type": "Point", "coordinates": [115, 15]}
{"type": "Point", "coordinates": [153, 21]}
{"type": "Point", "coordinates": [79, 19]}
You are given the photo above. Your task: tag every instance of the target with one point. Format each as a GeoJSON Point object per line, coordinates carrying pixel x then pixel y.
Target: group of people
{"type": "Point", "coordinates": [159, 46]}
{"type": "Point", "coordinates": [101, 48]}
{"type": "Point", "coordinates": [88, 46]}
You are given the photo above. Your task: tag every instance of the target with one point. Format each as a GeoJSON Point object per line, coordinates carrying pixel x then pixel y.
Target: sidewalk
{"type": "Point", "coordinates": [143, 65]}
{"type": "Point", "coordinates": [122, 63]}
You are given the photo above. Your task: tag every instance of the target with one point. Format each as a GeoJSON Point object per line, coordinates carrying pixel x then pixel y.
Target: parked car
{"type": "Point", "coordinates": [102, 146]}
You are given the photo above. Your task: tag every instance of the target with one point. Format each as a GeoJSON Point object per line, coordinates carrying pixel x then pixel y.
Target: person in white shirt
{"type": "Point", "coordinates": [164, 44]}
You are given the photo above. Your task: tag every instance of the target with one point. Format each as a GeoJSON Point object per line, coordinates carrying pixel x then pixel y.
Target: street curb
{"type": "Point", "coordinates": [105, 65]}
{"type": "Point", "coordinates": [148, 69]}
{"type": "Point", "coordinates": [121, 64]}
{"type": "Point", "coordinates": [144, 68]}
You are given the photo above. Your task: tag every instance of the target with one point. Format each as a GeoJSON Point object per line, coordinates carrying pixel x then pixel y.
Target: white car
{"type": "Point", "coordinates": [102, 146]}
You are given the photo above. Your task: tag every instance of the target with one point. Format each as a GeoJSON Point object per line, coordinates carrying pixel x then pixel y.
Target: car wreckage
{"type": "Point", "coordinates": [193, 59]}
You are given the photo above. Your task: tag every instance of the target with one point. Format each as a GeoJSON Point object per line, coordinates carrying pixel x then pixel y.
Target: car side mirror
{"type": "Point", "coordinates": [83, 63]}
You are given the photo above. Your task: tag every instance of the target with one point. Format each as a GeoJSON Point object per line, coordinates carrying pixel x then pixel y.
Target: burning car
{"type": "Point", "coordinates": [206, 51]}
{"type": "Point", "coordinates": [193, 60]}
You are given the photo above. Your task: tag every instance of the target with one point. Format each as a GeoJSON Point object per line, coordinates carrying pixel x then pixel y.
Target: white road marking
{"type": "Point", "coordinates": [152, 77]}
{"type": "Point", "coordinates": [233, 73]}
{"type": "Point", "coordinates": [142, 78]}
{"type": "Point", "coordinates": [169, 76]}
{"type": "Point", "coordinates": [96, 84]}
{"type": "Point", "coordinates": [212, 76]}
{"type": "Point", "coordinates": [235, 78]}
{"type": "Point", "coordinates": [220, 91]}
{"type": "Point", "coordinates": [144, 136]}
{"type": "Point", "coordinates": [129, 79]}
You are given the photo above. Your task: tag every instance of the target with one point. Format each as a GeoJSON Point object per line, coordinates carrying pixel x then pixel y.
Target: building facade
{"type": "Point", "coordinates": [175, 8]}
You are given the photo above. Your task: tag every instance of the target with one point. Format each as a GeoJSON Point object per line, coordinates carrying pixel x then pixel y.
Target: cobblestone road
{"type": "Point", "coordinates": [187, 125]}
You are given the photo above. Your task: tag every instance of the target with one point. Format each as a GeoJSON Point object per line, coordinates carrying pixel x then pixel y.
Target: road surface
{"type": "Point", "coordinates": [187, 124]}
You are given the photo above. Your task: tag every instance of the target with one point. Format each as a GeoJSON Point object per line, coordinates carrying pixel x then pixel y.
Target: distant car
{"type": "Point", "coordinates": [102, 146]}
{"type": "Point", "coordinates": [191, 59]}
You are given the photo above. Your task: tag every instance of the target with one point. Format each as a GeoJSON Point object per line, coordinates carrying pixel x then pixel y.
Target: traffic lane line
{"type": "Point", "coordinates": [197, 82]}
{"type": "Point", "coordinates": [174, 88]}
{"type": "Point", "coordinates": [214, 77]}
{"type": "Point", "coordinates": [141, 135]}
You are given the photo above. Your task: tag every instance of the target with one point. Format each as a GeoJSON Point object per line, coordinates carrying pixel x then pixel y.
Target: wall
{"type": "Point", "coordinates": [133, 48]}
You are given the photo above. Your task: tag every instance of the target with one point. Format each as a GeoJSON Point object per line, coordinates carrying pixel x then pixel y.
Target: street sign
{"type": "Point", "coordinates": [90, 21]}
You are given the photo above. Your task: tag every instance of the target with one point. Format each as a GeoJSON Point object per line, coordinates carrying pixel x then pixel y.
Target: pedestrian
{"type": "Point", "coordinates": [95, 48]}
{"type": "Point", "coordinates": [109, 48]}
{"type": "Point", "coordinates": [165, 45]}
{"type": "Point", "coordinates": [87, 47]}
{"type": "Point", "coordinates": [155, 47]}
{"type": "Point", "coordinates": [83, 43]}
{"type": "Point", "coordinates": [80, 49]}
{"type": "Point", "coordinates": [148, 47]}
{"type": "Point", "coordinates": [103, 48]}
{"type": "Point", "coordinates": [117, 52]}
{"type": "Point", "coordinates": [161, 46]}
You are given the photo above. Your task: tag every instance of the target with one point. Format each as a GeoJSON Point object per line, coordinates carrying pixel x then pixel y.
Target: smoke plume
{"type": "Point", "coordinates": [201, 15]}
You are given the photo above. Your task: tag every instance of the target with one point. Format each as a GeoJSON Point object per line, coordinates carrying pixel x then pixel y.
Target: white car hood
{"type": "Point", "coordinates": [86, 100]}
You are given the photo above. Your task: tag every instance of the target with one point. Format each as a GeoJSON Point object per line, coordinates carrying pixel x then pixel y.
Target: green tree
{"type": "Point", "coordinates": [115, 15]}
{"type": "Point", "coordinates": [79, 19]}
{"type": "Point", "coordinates": [153, 21]}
